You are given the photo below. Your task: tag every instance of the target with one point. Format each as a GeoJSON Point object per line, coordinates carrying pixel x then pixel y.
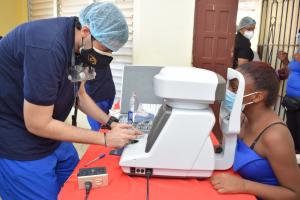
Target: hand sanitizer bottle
{"type": "Point", "coordinates": [131, 108]}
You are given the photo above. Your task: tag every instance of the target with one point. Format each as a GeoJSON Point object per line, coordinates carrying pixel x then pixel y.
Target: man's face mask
{"type": "Point", "coordinates": [95, 58]}
{"type": "Point", "coordinates": [92, 59]}
{"type": "Point", "coordinates": [230, 98]}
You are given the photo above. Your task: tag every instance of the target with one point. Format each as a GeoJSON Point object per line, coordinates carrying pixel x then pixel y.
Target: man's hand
{"type": "Point", "coordinates": [225, 183]}
{"type": "Point", "coordinates": [282, 55]}
{"type": "Point", "coordinates": [296, 56]}
{"type": "Point", "coordinates": [119, 136]}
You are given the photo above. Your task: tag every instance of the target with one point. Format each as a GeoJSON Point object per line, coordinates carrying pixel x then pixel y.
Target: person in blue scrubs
{"type": "Point", "coordinates": [36, 96]}
{"type": "Point", "coordinates": [102, 91]}
{"type": "Point", "coordinates": [264, 155]}
{"type": "Point", "coordinates": [292, 89]}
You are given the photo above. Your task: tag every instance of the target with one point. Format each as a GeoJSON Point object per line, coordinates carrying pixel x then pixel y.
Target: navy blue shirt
{"type": "Point", "coordinates": [102, 87]}
{"type": "Point", "coordinates": [33, 65]}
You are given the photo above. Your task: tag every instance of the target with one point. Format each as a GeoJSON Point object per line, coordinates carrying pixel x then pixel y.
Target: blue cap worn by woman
{"type": "Point", "coordinates": [107, 24]}
{"type": "Point", "coordinates": [245, 21]}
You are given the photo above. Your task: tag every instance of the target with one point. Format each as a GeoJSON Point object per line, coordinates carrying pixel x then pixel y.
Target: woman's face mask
{"type": "Point", "coordinates": [95, 58]}
{"type": "Point", "coordinates": [230, 98]}
{"type": "Point", "coordinates": [249, 34]}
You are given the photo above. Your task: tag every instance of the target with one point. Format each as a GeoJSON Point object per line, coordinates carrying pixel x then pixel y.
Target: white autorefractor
{"type": "Point", "coordinates": [179, 143]}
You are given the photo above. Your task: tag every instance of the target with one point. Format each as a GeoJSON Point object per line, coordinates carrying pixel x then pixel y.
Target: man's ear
{"type": "Point", "coordinates": [259, 97]}
{"type": "Point", "coordinates": [85, 31]}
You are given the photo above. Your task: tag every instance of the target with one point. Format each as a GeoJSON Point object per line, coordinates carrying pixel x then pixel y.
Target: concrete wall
{"type": "Point", "coordinates": [12, 14]}
{"type": "Point", "coordinates": [163, 32]}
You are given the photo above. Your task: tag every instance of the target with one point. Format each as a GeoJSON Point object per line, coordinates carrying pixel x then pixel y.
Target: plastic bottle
{"type": "Point", "coordinates": [131, 108]}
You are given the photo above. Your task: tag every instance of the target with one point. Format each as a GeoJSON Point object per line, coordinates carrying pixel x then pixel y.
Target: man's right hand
{"type": "Point", "coordinates": [282, 55]}
{"type": "Point", "coordinates": [120, 136]}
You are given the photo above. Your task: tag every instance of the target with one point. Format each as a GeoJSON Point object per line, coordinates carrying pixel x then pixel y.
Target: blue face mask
{"type": "Point", "coordinates": [230, 98]}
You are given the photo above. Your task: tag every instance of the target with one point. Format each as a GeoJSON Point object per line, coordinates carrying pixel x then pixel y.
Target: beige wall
{"type": "Point", "coordinates": [12, 14]}
{"type": "Point", "coordinates": [163, 32]}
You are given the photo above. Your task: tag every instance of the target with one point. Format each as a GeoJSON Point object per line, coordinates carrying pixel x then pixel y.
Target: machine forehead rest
{"type": "Point", "coordinates": [190, 84]}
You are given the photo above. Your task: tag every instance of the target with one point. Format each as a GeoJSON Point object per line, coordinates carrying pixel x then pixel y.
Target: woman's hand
{"type": "Point", "coordinates": [282, 55]}
{"type": "Point", "coordinates": [296, 56]}
{"type": "Point", "coordinates": [283, 73]}
{"type": "Point", "coordinates": [226, 183]}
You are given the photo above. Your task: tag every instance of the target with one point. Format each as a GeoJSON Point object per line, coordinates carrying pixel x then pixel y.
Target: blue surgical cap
{"type": "Point", "coordinates": [245, 21]}
{"type": "Point", "coordinates": [107, 24]}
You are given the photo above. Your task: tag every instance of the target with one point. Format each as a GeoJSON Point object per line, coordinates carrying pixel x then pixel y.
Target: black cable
{"type": "Point", "coordinates": [88, 186]}
{"type": "Point", "coordinates": [148, 173]}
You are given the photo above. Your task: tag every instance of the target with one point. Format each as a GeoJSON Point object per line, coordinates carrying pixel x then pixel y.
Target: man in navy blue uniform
{"type": "Point", "coordinates": [36, 96]}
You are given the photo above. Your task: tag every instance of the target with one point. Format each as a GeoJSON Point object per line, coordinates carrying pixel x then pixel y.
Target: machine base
{"type": "Point", "coordinates": [168, 173]}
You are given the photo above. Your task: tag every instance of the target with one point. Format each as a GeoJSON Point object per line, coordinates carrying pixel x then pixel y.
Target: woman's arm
{"type": "Point", "coordinates": [279, 152]}
{"type": "Point", "coordinates": [242, 61]}
{"type": "Point", "coordinates": [282, 55]}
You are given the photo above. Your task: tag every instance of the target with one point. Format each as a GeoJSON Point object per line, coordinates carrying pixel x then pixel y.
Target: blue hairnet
{"type": "Point", "coordinates": [245, 21]}
{"type": "Point", "coordinates": [107, 24]}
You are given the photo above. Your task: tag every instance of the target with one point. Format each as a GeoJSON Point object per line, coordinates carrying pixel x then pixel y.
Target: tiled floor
{"type": "Point", "coordinates": [82, 123]}
{"type": "Point", "coordinates": [81, 148]}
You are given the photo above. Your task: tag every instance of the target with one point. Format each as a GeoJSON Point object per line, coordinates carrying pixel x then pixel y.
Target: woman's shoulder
{"type": "Point", "coordinates": [241, 41]}
{"type": "Point", "coordinates": [277, 135]}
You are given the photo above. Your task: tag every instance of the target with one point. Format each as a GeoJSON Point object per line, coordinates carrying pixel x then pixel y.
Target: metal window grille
{"type": "Point", "coordinates": [278, 29]}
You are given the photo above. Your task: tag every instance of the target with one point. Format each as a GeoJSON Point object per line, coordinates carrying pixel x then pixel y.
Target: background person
{"type": "Point", "coordinates": [36, 97]}
{"type": "Point", "coordinates": [264, 155]}
{"type": "Point", "coordinates": [102, 90]}
{"type": "Point", "coordinates": [292, 89]}
{"type": "Point", "coordinates": [242, 48]}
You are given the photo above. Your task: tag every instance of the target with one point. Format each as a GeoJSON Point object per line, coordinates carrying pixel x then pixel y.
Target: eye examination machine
{"type": "Point", "coordinates": [179, 142]}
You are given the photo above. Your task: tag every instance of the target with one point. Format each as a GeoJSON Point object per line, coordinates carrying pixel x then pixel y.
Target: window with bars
{"type": "Point", "coordinates": [68, 8]}
{"type": "Point", "coordinates": [41, 9]}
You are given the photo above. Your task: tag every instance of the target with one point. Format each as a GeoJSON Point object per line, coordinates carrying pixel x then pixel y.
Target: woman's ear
{"type": "Point", "coordinates": [241, 31]}
{"type": "Point", "coordinates": [259, 97]}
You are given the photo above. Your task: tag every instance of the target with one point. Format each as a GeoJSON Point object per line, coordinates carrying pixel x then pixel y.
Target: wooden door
{"type": "Point", "coordinates": [214, 35]}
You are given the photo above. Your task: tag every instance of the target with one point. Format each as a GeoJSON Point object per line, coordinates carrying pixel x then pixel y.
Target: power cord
{"type": "Point", "coordinates": [88, 186]}
{"type": "Point", "coordinates": [148, 173]}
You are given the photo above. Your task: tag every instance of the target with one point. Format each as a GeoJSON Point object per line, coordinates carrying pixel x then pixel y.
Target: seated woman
{"type": "Point", "coordinates": [264, 154]}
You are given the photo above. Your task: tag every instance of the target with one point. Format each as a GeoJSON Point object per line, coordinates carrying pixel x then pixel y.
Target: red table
{"type": "Point", "coordinates": [121, 186]}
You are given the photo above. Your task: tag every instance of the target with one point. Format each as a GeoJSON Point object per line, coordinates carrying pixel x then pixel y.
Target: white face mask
{"type": "Point", "coordinates": [249, 34]}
